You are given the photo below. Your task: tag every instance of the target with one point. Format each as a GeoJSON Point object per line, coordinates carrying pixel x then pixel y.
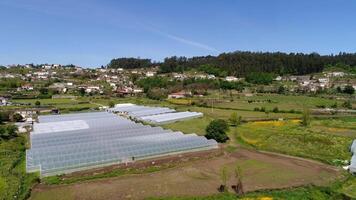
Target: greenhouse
{"type": "Point", "coordinates": [170, 117]}
{"type": "Point", "coordinates": [72, 142]}
{"type": "Point", "coordinates": [154, 115]}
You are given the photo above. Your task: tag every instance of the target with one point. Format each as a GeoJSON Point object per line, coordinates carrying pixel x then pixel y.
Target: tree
{"type": "Point", "coordinates": [234, 119]}
{"type": "Point", "coordinates": [224, 176]}
{"type": "Point", "coordinates": [347, 104]}
{"type": "Point", "coordinates": [8, 131]}
{"type": "Point", "coordinates": [17, 117]}
{"type": "Point", "coordinates": [238, 187]}
{"type": "Point", "coordinates": [306, 117]}
{"type": "Point", "coordinates": [349, 89]}
{"type": "Point", "coordinates": [37, 103]}
{"type": "Point", "coordinates": [157, 93]}
{"type": "Point", "coordinates": [111, 104]}
{"type": "Point", "coordinates": [259, 78]}
{"type": "Point", "coordinates": [281, 89]}
{"type": "Point", "coordinates": [275, 110]}
{"type": "Point", "coordinates": [81, 91]}
{"type": "Point", "coordinates": [217, 130]}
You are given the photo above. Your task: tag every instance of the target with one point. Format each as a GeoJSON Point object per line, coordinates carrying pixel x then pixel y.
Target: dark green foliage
{"type": "Point", "coordinates": [154, 82]}
{"type": "Point", "coordinates": [81, 91]}
{"type": "Point", "coordinates": [157, 93]}
{"type": "Point", "coordinates": [349, 89]}
{"type": "Point", "coordinates": [281, 89]}
{"type": "Point", "coordinates": [37, 103]}
{"type": "Point", "coordinates": [210, 69]}
{"type": "Point", "coordinates": [4, 116]}
{"type": "Point", "coordinates": [225, 85]}
{"type": "Point", "coordinates": [17, 117]}
{"type": "Point", "coordinates": [347, 104]}
{"type": "Point", "coordinates": [217, 130]}
{"type": "Point", "coordinates": [8, 131]}
{"type": "Point", "coordinates": [275, 110]}
{"type": "Point", "coordinates": [174, 64]}
{"type": "Point", "coordinates": [130, 63]}
{"type": "Point", "coordinates": [111, 104]}
{"type": "Point", "coordinates": [260, 78]}
{"type": "Point", "coordinates": [305, 117]}
{"type": "Point", "coordinates": [242, 63]}
{"type": "Point", "coordinates": [8, 83]}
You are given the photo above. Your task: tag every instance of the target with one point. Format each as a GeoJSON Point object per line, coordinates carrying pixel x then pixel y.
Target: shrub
{"type": "Point", "coordinates": [217, 130]}
{"type": "Point", "coordinates": [111, 104]}
{"type": "Point", "coordinates": [347, 104]}
{"type": "Point", "coordinates": [349, 89]}
{"type": "Point", "coordinates": [275, 110]}
{"type": "Point", "coordinates": [17, 117]}
{"type": "Point", "coordinates": [306, 117]}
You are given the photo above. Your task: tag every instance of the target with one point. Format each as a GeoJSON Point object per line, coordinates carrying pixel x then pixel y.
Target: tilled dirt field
{"type": "Point", "coordinates": [199, 178]}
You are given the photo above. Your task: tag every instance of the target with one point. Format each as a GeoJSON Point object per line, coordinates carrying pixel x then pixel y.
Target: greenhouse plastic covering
{"type": "Point", "coordinates": [155, 115]}
{"type": "Point", "coordinates": [353, 147]}
{"type": "Point", "coordinates": [352, 166]}
{"type": "Point", "coordinates": [72, 142]}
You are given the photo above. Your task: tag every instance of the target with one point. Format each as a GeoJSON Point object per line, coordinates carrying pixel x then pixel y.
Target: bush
{"type": "Point", "coordinates": [111, 104]}
{"type": "Point", "coordinates": [349, 89]}
{"type": "Point", "coordinates": [347, 104]}
{"type": "Point", "coordinates": [217, 130]}
{"type": "Point", "coordinates": [259, 78]}
{"type": "Point", "coordinates": [157, 94]}
{"type": "Point", "coordinates": [17, 117]}
{"type": "Point", "coordinates": [275, 110]}
{"type": "Point", "coordinates": [305, 117]}
{"type": "Point", "coordinates": [8, 132]}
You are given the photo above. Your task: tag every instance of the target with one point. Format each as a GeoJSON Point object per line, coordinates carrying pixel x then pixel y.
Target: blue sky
{"type": "Point", "coordinates": [92, 32]}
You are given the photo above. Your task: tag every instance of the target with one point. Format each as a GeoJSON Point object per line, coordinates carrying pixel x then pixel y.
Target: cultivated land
{"type": "Point", "coordinates": [199, 178]}
{"type": "Point", "coordinates": [325, 140]}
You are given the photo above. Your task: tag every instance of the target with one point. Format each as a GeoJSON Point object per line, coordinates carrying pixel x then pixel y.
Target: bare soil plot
{"type": "Point", "coordinates": [199, 178]}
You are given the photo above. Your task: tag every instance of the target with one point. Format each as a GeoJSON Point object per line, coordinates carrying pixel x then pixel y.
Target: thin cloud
{"type": "Point", "coordinates": [184, 41]}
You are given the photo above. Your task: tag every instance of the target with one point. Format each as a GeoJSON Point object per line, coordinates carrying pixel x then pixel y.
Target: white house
{"type": "Point", "coordinates": [231, 78]}
{"type": "Point", "coordinates": [150, 74]}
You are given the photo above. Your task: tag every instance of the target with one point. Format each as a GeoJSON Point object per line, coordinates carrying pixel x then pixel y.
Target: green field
{"type": "Point", "coordinates": [289, 137]}
{"type": "Point", "coordinates": [14, 182]}
{"type": "Point", "coordinates": [197, 125]}
{"type": "Point", "coordinates": [283, 102]}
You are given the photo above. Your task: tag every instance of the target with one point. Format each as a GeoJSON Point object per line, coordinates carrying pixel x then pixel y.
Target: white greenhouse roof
{"type": "Point", "coordinates": [155, 115]}
{"type": "Point", "coordinates": [71, 142]}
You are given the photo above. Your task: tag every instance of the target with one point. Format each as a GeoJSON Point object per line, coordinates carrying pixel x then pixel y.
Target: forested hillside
{"type": "Point", "coordinates": [242, 63]}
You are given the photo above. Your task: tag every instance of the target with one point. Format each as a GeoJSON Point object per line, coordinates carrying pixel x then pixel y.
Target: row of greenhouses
{"type": "Point", "coordinates": [154, 115]}
{"type": "Point", "coordinates": [72, 142]}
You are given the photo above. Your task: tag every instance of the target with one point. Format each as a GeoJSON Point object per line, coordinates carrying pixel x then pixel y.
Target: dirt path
{"type": "Point", "coordinates": [199, 178]}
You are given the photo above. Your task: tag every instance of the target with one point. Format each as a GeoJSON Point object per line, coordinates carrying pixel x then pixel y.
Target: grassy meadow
{"type": "Point", "coordinates": [289, 137]}
{"type": "Point", "coordinates": [14, 182]}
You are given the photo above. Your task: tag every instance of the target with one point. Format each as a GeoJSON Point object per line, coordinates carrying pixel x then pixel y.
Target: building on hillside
{"type": "Point", "coordinates": [231, 78]}
{"type": "Point", "coordinates": [27, 87]}
{"type": "Point", "coordinates": [4, 101]}
{"type": "Point", "coordinates": [336, 74]}
{"type": "Point", "coordinates": [179, 95]}
{"type": "Point", "coordinates": [150, 73]}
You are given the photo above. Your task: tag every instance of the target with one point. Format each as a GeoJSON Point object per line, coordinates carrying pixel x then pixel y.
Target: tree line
{"type": "Point", "coordinates": [242, 63]}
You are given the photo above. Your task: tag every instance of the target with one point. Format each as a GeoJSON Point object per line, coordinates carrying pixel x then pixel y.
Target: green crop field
{"type": "Point", "coordinates": [14, 182]}
{"type": "Point", "coordinates": [289, 137]}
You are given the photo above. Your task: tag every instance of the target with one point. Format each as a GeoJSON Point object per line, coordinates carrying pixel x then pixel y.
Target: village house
{"type": "Point", "coordinates": [4, 101]}
{"type": "Point", "coordinates": [231, 78]}
{"type": "Point", "coordinates": [179, 95]}
{"type": "Point", "coordinates": [27, 87]}
{"type": "Point", "coordinates": [150, 73]}
{"type": "Point", "coordinates": [210, 76]}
